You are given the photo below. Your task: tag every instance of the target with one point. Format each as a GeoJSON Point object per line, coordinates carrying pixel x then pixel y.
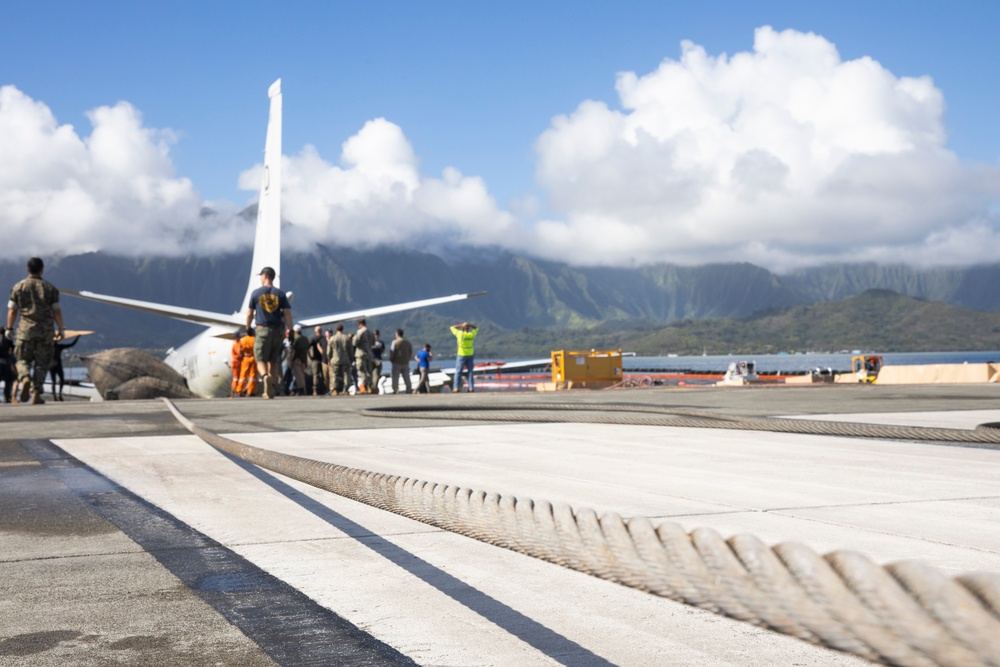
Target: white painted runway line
{"type": "Point", "coordinates": [446, 599]}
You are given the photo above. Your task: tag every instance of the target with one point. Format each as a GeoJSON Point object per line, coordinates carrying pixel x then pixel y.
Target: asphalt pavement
{"type": "Point", "coordinates": [126, 540]}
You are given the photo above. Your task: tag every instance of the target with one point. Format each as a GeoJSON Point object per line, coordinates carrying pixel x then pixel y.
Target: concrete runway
{"type": "Point", "coordinates": [126, 540]}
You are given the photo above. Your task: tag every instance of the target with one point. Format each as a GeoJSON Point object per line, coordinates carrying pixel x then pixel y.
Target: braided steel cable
{"type": "Point", "coordinates": [903, 613]}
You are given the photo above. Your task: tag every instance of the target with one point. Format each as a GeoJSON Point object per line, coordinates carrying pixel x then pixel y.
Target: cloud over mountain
{"type": "Point", "coordinates": [114, 190]}
{"type": "Point", "coordinates": [784, 156]}
{"type": "Point", "coordinates": [377, 196]}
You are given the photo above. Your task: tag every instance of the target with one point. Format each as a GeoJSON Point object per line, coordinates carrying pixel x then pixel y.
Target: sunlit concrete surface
{"type": "Point", "coordinates": [83, 589]}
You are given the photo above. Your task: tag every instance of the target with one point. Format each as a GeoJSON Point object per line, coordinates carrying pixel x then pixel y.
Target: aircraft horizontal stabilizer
{"type": "Point", "coordinates": [382, 310]}
{"type": "Point", "coordinates": [204, 317]}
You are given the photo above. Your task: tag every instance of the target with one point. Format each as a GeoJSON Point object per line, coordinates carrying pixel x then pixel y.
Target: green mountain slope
{"type": "Point", "coordinates": [537, 305]}
{"type": "Point", "coordinates": [874, 320]}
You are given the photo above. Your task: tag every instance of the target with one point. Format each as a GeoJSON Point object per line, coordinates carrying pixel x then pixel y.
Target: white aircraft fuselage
{"type": "Point", "coordinates": [204, 362]}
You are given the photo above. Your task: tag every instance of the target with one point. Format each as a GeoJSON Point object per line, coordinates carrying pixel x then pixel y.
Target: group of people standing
{"type": "Point", "coordinates": [272, 350]}
{"type": "Point", "coordinates": [355, 360]}
{"type": "Point", "coordinates": [331, 362]}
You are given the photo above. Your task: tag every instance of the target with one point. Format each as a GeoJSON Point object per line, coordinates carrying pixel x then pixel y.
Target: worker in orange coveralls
{"type": "Point", "coordinates": [248, 374]}
{"type": "Point", "coordinates": [236, 364]}
{"type": "Point", "coordinates": [244, 366]}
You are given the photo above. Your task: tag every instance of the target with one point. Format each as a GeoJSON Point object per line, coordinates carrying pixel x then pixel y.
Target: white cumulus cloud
{"type": "Point", "coordinates": [376, 195]}
{"type": "Point", "coordinates": [114, 190]}
{"type": "Point", "coordinates": [784, 156]}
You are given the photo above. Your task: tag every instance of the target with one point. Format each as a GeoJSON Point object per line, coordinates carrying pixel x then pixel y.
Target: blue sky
{"type": "Point", "coordinates": [467, 94]}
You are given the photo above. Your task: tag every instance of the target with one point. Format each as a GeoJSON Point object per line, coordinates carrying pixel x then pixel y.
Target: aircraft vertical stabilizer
{"type": "Point", "coordinates": [267, 240]}
{"type": "Point", "coordinates": [203, 361]}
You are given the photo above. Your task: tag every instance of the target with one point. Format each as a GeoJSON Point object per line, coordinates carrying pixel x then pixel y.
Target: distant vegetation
{"type": "Point", "coordinates": [877, 320]}
{"type": "Point", "coordinates": [534, 306]}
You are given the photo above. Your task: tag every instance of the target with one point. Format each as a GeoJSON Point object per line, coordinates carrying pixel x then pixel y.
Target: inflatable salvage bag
{"type": "Point", "coordinates": [127, 373]}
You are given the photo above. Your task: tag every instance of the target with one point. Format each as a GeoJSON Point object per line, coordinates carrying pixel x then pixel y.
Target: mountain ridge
{"type": "Point", "coordinates": [523, 294]}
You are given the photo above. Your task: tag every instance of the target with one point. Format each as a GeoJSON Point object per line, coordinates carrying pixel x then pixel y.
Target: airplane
{"type": "Point", "coordinates": [204, 360]}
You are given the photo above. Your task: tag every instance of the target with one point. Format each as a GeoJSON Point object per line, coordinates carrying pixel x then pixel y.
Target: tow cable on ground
{"type": "Point", "coordinates": [903, 613]}
{"type": "Point", "coordinates": [591, 413]}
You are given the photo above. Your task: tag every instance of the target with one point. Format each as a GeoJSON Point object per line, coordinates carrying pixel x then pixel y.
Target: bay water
{"type": "Point", "coordinates": [799, 363]}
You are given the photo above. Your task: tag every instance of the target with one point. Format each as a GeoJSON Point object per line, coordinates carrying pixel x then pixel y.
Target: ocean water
{"type": "Point", "coordinates": [800, 363]}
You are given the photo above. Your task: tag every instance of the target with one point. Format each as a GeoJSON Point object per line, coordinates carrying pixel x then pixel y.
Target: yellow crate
{"type": "Point", "coordinates": [586, 367]}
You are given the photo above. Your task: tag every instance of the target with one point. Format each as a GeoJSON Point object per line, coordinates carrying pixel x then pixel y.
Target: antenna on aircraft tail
{"type": "Point", "coordinates": [267, 238]}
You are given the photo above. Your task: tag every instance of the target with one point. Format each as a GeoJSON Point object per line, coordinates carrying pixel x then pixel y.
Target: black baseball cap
{"type": "Point", "coordinates": [267, 271]}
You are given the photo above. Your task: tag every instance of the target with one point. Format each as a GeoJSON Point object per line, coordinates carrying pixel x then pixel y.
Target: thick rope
{"type": "Point", "coordinates": [902, 614]}
{"type": "Point", "coordinates": [985, 434]}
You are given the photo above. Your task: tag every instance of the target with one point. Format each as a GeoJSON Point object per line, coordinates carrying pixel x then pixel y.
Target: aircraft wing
{"type": "Point", "coordinates": [184, 314]}
{"type": "Point", "coordinates": [526, 365]}
{"type": "Point", "coordinates": [73, 389]}
{"type": "Point", "coordinates": [501, 367]}
{"type": "Point", "coordinates": [382, 310]}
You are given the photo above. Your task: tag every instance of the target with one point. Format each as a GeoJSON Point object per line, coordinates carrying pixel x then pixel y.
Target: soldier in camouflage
{"type": "Point", "coordinates": [41, 325]}
{"type": "Point", "coordinates": [363, 340]}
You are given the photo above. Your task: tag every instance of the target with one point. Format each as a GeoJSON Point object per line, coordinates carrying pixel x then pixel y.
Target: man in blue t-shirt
{"type": "Point", "coordinates": [423, 360]}
{"type": "Point", "coordinates": [270, 309]}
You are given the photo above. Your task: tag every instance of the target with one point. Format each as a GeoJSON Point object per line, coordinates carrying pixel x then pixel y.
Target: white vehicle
{"type": "Point", "coordinates": [204, 360]}
{"type": "Point", "coordinates": [740, 372]}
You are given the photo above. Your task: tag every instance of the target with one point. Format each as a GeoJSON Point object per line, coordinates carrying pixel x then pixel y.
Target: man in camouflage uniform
{"type": "Point", "coordinates": [400, 353]}
{"type": "Point", "coordinates": [363, 341]}
{"type": "Point", "coordinates": [37, 302]}
{"type": "Point", "coordinates": [341, 357]}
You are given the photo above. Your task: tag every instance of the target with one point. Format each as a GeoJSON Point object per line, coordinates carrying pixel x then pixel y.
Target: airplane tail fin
{"type": "Point", "coordinates": [267, 239]}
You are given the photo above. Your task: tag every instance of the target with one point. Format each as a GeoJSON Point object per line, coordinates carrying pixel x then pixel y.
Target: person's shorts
{"type": "Point", "coordinates": [33, 350]}
{"type": "Point", "coordinates": [268, 344]}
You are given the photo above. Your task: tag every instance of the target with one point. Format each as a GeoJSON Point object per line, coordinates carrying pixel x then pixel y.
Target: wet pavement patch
{"type": "Point", "coordinates": [139, 642]}
{"type": "Point", "coordinates": [239, 582]}
{"type": "Point", "coordinates": [33, 643]}
{"type": "Point", "coordinates": [290, 627]}
{"type": "Point", "coordinates": [33, 501]}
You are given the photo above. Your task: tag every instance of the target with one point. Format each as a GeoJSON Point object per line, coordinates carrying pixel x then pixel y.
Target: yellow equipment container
{"type": "Point", "coordinates": [590, 369]}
